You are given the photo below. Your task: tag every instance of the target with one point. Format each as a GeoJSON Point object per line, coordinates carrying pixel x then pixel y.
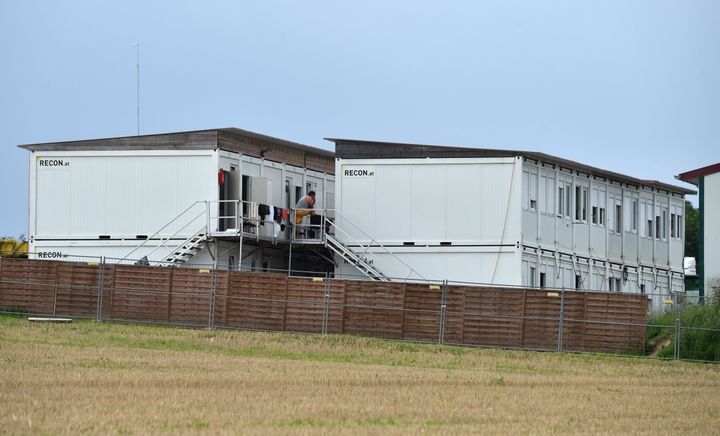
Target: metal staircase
{"type": "Point", "coordinates": [357, 248]}
{"type": "Point", "coordinates": [187, 249]}
{"type": "Point", "coordinates": [351, 257]}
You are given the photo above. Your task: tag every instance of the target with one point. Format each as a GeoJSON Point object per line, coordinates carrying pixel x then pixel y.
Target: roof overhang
{"type": "Point", "coordinates": [367, 149]}
{"type": "Point", "coordinates": [693, 176]}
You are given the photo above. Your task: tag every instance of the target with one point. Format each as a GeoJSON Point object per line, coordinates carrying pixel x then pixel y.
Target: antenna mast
{"type": "Point", "coordinates": [137, 46]}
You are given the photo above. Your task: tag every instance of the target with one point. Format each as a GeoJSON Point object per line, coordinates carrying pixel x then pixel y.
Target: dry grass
{"type": "Point", "coordinates": [89, 378]}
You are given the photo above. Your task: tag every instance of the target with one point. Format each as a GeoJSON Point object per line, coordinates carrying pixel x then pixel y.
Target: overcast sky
{"type": "Point", "coordinates": [629, 86]}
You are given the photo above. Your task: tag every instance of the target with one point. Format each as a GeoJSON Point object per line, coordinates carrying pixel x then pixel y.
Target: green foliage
{"type": "Point", "coordinates": [694, 342]}
{"type": "Point", "coordinates": [691, 230]}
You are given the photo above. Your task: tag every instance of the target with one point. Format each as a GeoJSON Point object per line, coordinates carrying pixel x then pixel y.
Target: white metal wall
{"type": "Point", "coordinates": [711, 209]}
{"type": "Point", "coordinates": [569, 212]}
{"type": "Point", "coordinates": [428, 201]}
{"type": "Point", "coordinates": [121, 194]}
{"type": "Point", "coordinates": [455, 212]}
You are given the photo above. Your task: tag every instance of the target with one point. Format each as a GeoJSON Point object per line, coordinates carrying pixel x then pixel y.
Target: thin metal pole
{"type": "Point", "coordinates": [137, 46]}
{"type": "Point", "coordinates": [676, 341]}
{"type": "Point", "coordinates": [101, 288]}
{"type": "Point", "coordinates": [562, 317]}
{"type": "Point", "coordinates": [213, 291]}
{"type": "Point", "coordinates": [290, 257]}
{"type": "Point", "coordinates": [443, 305]}
{"type": "Point", "coordinates": [326, 305]}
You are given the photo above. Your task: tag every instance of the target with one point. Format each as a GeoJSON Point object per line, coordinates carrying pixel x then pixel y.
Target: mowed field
{"type": "Point", "coordinates": [128, 379]}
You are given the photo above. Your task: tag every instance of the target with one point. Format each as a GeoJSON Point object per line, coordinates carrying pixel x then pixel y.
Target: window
{"type": "Point", "coordinates": [578, 203]}
{"type": "Point", "coordinates": [568, 201]}
{"type": "Point", "coordinates": [578, 281]}
{"type": "Point", "coordinates": [561, 200]}
{"type": "Point", "coordinates": [618, 284]}
{"type": "Point", "coordinates": [543, 281]}
{"type": "Point", "coordinates": [602, 216]}
{"type": "Point", "coordinates": [649, 228]}
{"type": "Point", "coordinates": [642, 288]}
{"type": "Point", "coordinates": [672, 225]}
{"type": "Point", "coordinates": [664, 224]}
{"type": "Point", "coordinates": [657, 227]}
{"type": "Point", "coordinates": [533, 192]}
{"type": "Point", "coordinates": [532, 276]}
{"type": "Point", "coordinates": [618, 218]}
{"type": "Point", "coordinates": [634, 215]}
{"type": "Point", "coordinates": [594, 215]}
{"type": "Point", "coordinates": [679, 227]}
{"type": "Point", "coordinates": [549, 197]}
{"type": "Point", "coordinates": [611, 284]}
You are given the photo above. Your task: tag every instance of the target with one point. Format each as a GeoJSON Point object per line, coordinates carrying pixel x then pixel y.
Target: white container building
{"type": "Point", "coordinates": [508, 217]}
{"type": "Point", "coordinates": [149, 195]}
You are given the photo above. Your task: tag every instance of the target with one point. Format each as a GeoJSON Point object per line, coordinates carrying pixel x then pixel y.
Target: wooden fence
{"type": "Point", "coordinates": [465, 315]}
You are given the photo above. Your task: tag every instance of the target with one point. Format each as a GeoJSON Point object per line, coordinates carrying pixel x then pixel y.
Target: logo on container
{"type": "Point", "coordinates": [358, 172]}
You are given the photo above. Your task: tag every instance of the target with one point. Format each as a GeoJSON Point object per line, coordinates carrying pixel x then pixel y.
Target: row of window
{"type": "Point", "coordinates": [614, 283]}
{"type": "Point", "coordinates": [632, 215]}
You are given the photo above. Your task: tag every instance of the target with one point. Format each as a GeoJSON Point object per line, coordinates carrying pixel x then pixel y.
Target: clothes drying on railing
{"type": "Point", "coordinates": [272, 214]}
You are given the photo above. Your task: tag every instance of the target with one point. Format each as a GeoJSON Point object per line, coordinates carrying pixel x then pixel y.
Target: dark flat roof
{"type": "Point", "coordinates": [693, 176]}
{"type": "Point", "coordinates": [234, 139]}
{"type": "Point", "coordinates": [365, 149]}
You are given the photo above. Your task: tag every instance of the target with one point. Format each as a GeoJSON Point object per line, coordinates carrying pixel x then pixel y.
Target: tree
{"type": "Point", "coordinates": [691, 230]}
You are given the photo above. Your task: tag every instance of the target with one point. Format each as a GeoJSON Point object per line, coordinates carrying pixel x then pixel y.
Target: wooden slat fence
{"type": "Point", "coordinates": [471, 315]}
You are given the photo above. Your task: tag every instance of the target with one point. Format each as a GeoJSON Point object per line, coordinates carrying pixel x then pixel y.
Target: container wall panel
{"type": "Point", "coordinates": [120, 194]}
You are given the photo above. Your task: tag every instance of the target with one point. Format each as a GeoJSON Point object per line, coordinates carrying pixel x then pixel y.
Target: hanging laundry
{"type": "Point", "coordinates": [253, 211]}
{"type": "Point", "coordinates": [277, 228]}
{"type": "Point", "coordinates": [263, 211]}
{"type": "Point", "coordinates": [285, 214]}
{"type": "Point", "coordinates": [278, 214]}
{"type": "Point", "coordinates": [271, 213]}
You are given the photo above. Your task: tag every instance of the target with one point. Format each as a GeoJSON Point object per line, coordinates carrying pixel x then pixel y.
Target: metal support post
{"type": "Point", "coordinates": [326, 305]}
{"type": "Point", "coordinates": [443, 306]}
{"type": "Point", "coordinates": [290, 257]}
{"type": "Point", "coordinates": [676, 339]}
{"type": "Point", "coordinates": [562, 319]}
{"type": "Point", "coordinates": [101, 289]}
{"type": "Point", "coordinates": [213, 290]}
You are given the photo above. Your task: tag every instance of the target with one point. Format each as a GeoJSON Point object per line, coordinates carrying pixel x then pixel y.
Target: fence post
{"type": "Point", "coordinates": [326, 305]}
{"type": "Point", "coordinates": [562, 318]}
{"type": "Point", "coordinates": [676, 339]}
{"type": "Point", "coordinates": [101, 289]}
{"type": "Point", "coordinates": [443, 305]}
{"type": "Point", "coordinates": [213, 289]}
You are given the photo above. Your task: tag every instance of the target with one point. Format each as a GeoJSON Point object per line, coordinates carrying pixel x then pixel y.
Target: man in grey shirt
{"type": "Point", "coordinates": [304, 208]}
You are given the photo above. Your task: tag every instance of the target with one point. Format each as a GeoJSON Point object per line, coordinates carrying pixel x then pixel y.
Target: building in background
{"type": "Point", "coordinates": [509, 217]}
{"type": "Point", "coordinates": [707, 179]}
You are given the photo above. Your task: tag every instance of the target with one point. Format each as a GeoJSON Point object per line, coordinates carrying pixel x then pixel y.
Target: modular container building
{"type": "Point", "coordinates": [509, 217]}
{"type": "Point", "coordinates": [150, 195]}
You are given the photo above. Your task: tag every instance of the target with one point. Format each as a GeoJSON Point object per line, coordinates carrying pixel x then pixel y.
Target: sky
{"type": "Point", "coordinates": [628, 86]}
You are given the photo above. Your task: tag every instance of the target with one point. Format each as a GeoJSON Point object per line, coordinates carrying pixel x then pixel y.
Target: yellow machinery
{"type": "Point", "coordinates": [13, 248]}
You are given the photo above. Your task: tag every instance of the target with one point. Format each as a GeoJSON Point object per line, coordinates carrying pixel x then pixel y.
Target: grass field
{"type": "Point", "coordinates": [129, 379]}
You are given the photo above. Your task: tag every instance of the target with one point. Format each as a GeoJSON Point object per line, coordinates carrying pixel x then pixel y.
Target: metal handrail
{"type": "Point", "coordinates": [163, 228]}
{"type": "Point", "coordinates": [372, 240]}
{"type": "Point", "coordinates": [176, 233]}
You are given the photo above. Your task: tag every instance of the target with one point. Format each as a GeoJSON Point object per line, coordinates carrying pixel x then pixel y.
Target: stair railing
{"type": "Point", "coordinates": [166, 239]}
